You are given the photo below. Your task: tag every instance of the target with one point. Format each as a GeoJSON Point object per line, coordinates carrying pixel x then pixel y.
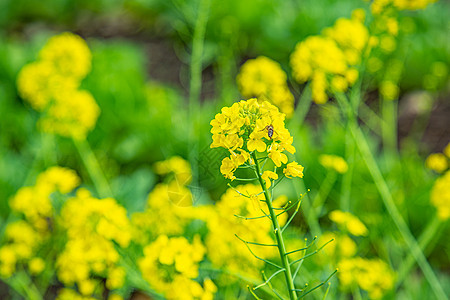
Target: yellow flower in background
{"type": "Point", "coordinates": [447, 150]}
{"type": "Point", "coordinates": [293, 169]}
{"type": "Point", "coordinates": [38, 83]}
{"type": "Point", "coordinates": [69, 294]}
{"type": "Point", "coordinates": [69, 54]}
{"type": "Point", "coordinates": [73, 114]}
{"type": "Point", "coordinates": [25, 237]}
{"type": "Point", "coordinates": [171, 264]}
{"type": "Point", "coordinates": [36, 265]}
{"type": "Point", "coordinates": [59, 179]}
{"type": "Point", "coordinates": [437, 162]}
{"type": "Point", "coordinates": [264, 79]}
{"type": "Point", "coordinates": [333, 162]}
{"type": "Point", "coordinates": [379, 6]}
{"type": "Point", "coordinates": [349, 222]}
{"type": "Point", "coordinates": [440, 196]}
{"type": "Point", "coordinates": [34, 201]}
{"type": "Point", "coordinates": [180, 168]}
{"type": "Point", "coordinates": [371, 275]}
{"type": "Point", "coordinates": [51, 86]}
{"type": "Point", "coordinates": [328, 60]}
{"type": "Point", "coordinates": [341, 247]}
{"type": "Point", "coordinates": [92, 226]}
{"type": "Point", "coordinates": [249, 126]}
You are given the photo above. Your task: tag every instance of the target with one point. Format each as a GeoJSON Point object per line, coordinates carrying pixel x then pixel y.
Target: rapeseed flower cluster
{"type": "Point", "coordinates": [170, 265]}
{"type": "Point", "coordinates": [378, 6]}
{"type": "Point", "coordinates": [51, 86]}
{"type": "Point", "coordinates": [330, 60]}
{"type": "Point", "coordinates": [25, 237]}
{"type": "Point", "coordinates": [440, 196]}
{"type": "Point", "coordinates": [333, 162]}
{"type": "Point", "coordinates": [371, 275]}
{"type": "Point", "coordinates": [249, 126]}
{"type": "Point", "coordinates": [265, 80]}
{"type": "Point", "coordinates": [170, 199]}
{"type": "Point", "coordinates": [93, 226]}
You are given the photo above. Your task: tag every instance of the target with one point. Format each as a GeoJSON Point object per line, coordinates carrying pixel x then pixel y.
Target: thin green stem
{"type": "Point", "coordinates": [278, 233]}
{"type": "Point", "coordinates": [322, 194]}
{"type": "Point", "coordinates": [311, 219]}
{"type": "Point", "coordinates": [395, 214]}
{"type": "Point", "coordinates": [93, 167]}
{"type": "Point", "coordinates": [346, 187]}
{"type": "Point", "coordinates": [424, 240]}
{"type": "Point", "coordinates": [389, 127]}
{"type": "Point", "coordinates": [195, 83]}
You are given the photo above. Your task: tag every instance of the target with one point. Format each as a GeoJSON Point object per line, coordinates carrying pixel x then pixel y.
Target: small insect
{"type": "Point", "coordinates": [269, 131]}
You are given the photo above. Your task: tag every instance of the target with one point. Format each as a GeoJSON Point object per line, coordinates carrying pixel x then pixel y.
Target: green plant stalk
{"type": "Point", "coordinates": [424, 240]}
{"type": "Point", "coordinates": [195, 82]}
{"type": "Point", "coordinates": [383, 189]}
{"type": "Point", "coordinates": [322, 194]}
{"type": "Point", "coordinates": [393, 211]}
{"type": "Point", "coordinates": [278, 233]}
{"type": "Point", "coordinates": [93, 168]}
{"type": "Point", "coordinates": [346, 187]}
{"type": "Point", "coordinates": [389, 127]}
{"type": "Point", "coordinates": [311, 219]}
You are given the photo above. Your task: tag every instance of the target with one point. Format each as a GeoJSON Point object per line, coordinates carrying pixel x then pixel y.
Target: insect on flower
{"type": "Point", "coordinates": [270, 130]}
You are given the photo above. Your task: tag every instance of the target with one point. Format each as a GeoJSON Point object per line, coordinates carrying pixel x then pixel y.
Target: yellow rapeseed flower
{"type": "Point", "coordinates": [371, 275]}
{"type": "Point", "coordinates": [328, 60]}
{"type": "Point", "coordinates": [349, 222]}
{"type": "Point", "coordinates": [264, 79]}
{"type": "Point", "coordinates": [440, 196]}
{"type": "Point", "coordinates": [51, 86]}
{"type": "Point", "coordinates": [249, 126]}
{"type": "Point", "coordinates": [334, 162]}
{"type": "Point", "coordinates": [171, 264]}
{"type": "Point", "coordinates": [293, 169]}
{"type": "Point", "coordinates": [69, 54]}
{"type": "Point", "coordinates": [267, 176]}
{"type": "Point", "coordinates": [437, 162]}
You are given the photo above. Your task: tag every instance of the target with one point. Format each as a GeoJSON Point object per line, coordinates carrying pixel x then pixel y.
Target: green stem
{"type": "Point", "coordinates": [386, 196]}
{"type": "Point", "coordinates": [346, 188]}
{"type": "Point", "coordinates": [93, 168]}
{"type": "Point", "coordinates": [311, 219]}
{"type": "Point", "coordinates": [424, 240]}
{"type": "Point", "coordinates": [322, 194]}
{"type": "Point", "coordinates": [278, 233]}
{"type": "Point", "coordinates": [389, 127]}
{"type": "Point", "coordinates": [195, 83]}
{"type": "Point", "coordinates": [393, 211]}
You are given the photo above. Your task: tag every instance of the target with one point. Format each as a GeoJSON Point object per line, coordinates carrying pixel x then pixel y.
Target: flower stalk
{"type": "Point", "coordinates": [277, 231]}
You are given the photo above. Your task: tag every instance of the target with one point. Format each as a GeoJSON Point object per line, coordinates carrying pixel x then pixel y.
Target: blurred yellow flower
{"type": "Point", "coordinates": [51, 86]}
{"type": "Point", "coordinates": [171, 264]}
{"type": "Point", "coordinates": [333, 162]}
{"type": "Point", "coordinates": [264, 79]}
{"type": "Point", "coordinates": [437, 162]}
{"type": "Point", "coordinates": [371, 275]}
{"type": "Point", "coordinates": [69, 54]}
{"type": "Point", "coordinates": [349, 222]}
{"type": "Point", "coordinates": [36, 265]}
{"type": "Point", "coordinates": [440, 196]}
{"type": "Point", "coordinates": [180, 168]}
